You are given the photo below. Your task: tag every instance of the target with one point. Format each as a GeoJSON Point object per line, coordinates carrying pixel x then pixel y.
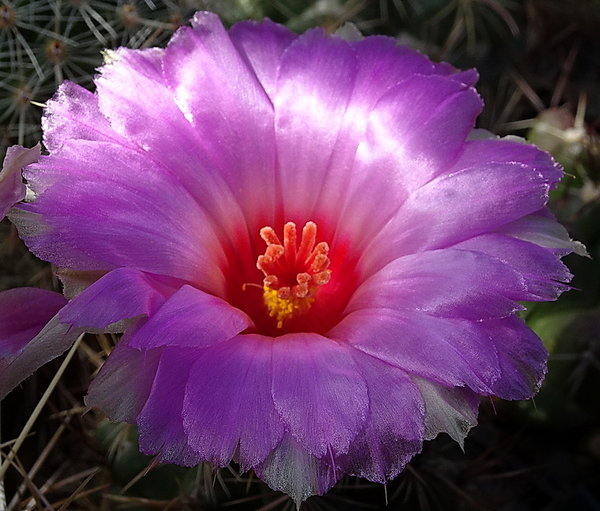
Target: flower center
{"type": "Point", "coordinates": [293, 273]}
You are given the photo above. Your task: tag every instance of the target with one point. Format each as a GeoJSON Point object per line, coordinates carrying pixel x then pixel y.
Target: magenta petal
{"type": "Point", "coordinates": [128, 73]}
{"type": "Point", "coordinates": [136, 215]}
{"type": "Point", "coordinates": [214, 59]}
{"type": "Point", "coordinates": [468, 77]}
{"type": "Point", "coordinates": [238, 373]}
{"type": "Point", "coordinates": [394, 430]}
{"type": "Point", "coordinates": [43, 242]}
{"type": "Point", "coordinates": [160, 422]}
{"type": "Point", "coordinates": [54, 339]}
{"type": "Point", "coordinates": [497, 193]}
{"type": "Point", "coordinates": [538, 166]}
{"type": "Point", "coordinates": [12, 189]}
{"type": "Point", "coordinates": [123, 384]}
{"type": "Point", "coordinates": [542, 229]}
{"type": "Point", "coordinates": [348, 190]}
{"type": "Point", "coordinates": [453, 352]}
{"type": "Point", "coordinates": [191, 318]}
{"type": "Point", "coordinates": [349, 187]}
{"type": "Point", "coordinates": [449, 283]}
{"type": "Point", "coordinates": [407, 140]}
{"type": "Point", "coordinates": [419, 128]}
{"type": "Point", "coordinates": [262, 44]}
{"type": "Point", "coordinates": [291, 469]}
{"type": "Point", "coordinates": [228, 109]}
{"type": "Point", "coordinates": [540, 269]}
{"type": "Point", "coordinates": [123, 293]}
{"type": "Point", "coordinates": [319, 392]}
{"type": "Point", "coordinates": [315, 84]}
{"type": "Point", "coordinates": [73, 114]}
{"type": "Point", "coordinates": [382, 63]}
{"type": "Point", "coordinates": [172, 145]}
{"type": "Point", "coordinates": [493, 183]}
{"type": "Point", "coordinates": [24, 312]}
{"type": "Point", "coordinates": [522, 358]}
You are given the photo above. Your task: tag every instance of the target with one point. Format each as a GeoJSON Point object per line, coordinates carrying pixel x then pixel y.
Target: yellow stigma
{"type": "Point", "coordinates": [293, 273]}
{"type": "Point", "coordinates": [284, 308]}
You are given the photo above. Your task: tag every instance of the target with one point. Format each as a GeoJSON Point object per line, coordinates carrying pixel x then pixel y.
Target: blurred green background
{"type": "Point", "coordinates": [539, 62]}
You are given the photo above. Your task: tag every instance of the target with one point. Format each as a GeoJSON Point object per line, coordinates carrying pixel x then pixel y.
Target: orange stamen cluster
{"type": "Point", "coordinates": [292, 273]}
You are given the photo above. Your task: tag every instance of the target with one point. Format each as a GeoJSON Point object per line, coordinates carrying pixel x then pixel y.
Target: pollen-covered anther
{"type": "Point", "coordinates": [270, 281]}
{"type": "Point", "coordinates": [284, 293]}
{"type": "Point", "coordinates": [293, 273]}
{"type": "Point", "coordinates": [321, 278]}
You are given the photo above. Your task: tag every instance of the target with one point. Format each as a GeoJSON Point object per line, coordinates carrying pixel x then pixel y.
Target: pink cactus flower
{"type": "Point", "coordinates": [316, 262]}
